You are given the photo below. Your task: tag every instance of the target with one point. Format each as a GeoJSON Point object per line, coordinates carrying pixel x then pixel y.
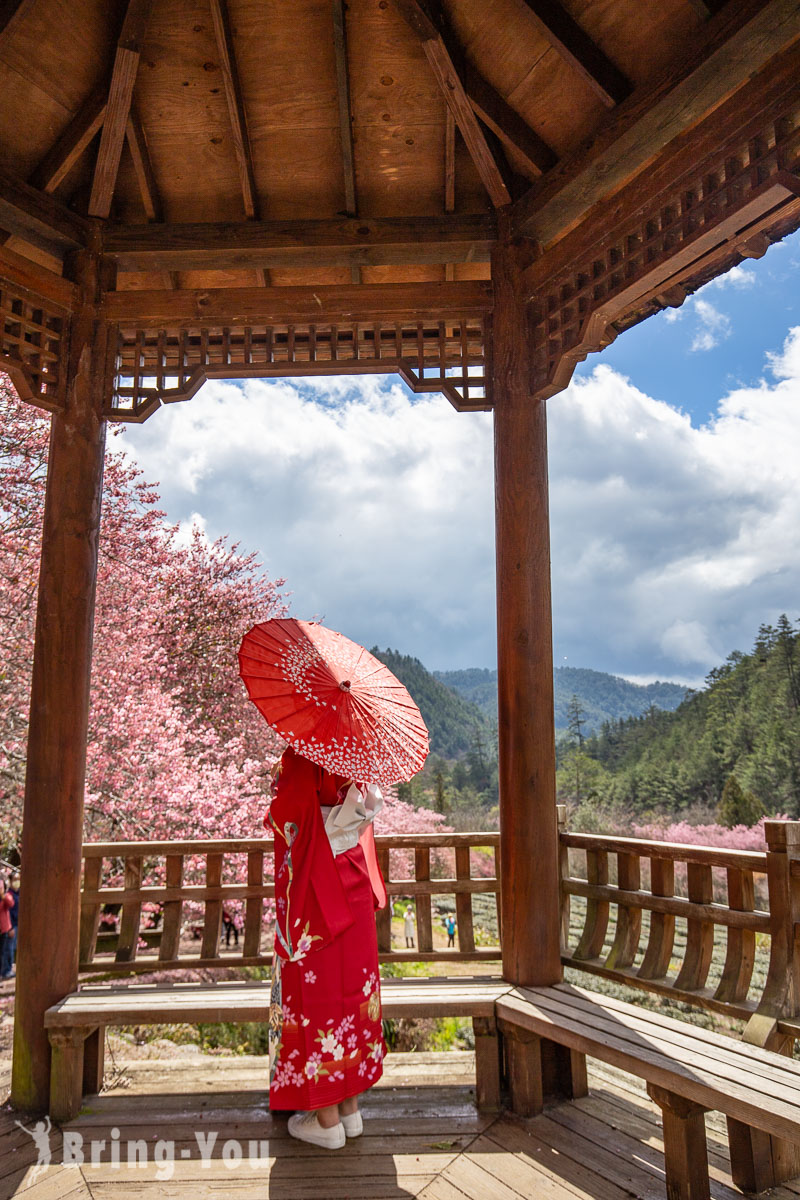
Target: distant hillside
{"type": "Point", "coordinates": [745, 723]}
{"type": "Point", "coordinates": [602, 697]}
{"type": "Point", "coordinates": [451, 719]}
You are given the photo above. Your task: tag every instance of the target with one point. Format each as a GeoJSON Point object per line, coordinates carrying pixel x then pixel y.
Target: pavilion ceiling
{"type": "Point", "coordinates": [224, 114]}
{"type": "Point", "coordinates": [289, 188]}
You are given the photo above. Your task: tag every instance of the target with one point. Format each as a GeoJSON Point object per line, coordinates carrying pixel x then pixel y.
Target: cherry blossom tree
{"type": "Point", "coordinates": [175, 748]}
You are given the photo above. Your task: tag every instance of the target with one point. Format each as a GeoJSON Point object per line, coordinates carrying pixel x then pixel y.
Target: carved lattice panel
{"type": "Point", "coordinates": [32, 345]}
{"type": "Point", "coordinates": [700, 215]}
{"type": "Point", "coordinates": [166, 365]}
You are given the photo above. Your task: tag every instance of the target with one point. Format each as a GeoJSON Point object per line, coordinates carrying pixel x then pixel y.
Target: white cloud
{"type": "Point", "coordinates": [375, 505]}
{"type": "Point", "coordinates": [713, 326]}
{"type": "Point", "coordinates": [738, 277]}
{"type": "Point", "coordinates": [679, 563]}
{"type": "Point", "coordinates": [670, 544]}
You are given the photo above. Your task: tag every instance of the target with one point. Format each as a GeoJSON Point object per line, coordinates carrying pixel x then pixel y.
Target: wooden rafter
{"type": "Point", "coordinates": [329, 243]}
{"type": "Point", "coordinates": [120, 94]}
{"type": "Point", "coordinates": [345, 115]}
{"type": "Point", "coordinates": [236, 111]}
{"type": "Point", "coordinates": [143, 167]}
{"type": "Point", "coordinates": [452, 88]}
{"type": "Point", "coordinates": [83, 127]}
{"type": "Point", "coordinates": [450, 164]}
{"type": "Point", "coordinates": [498, 115]}
{"type": "Point", "coordinates": [723, 57]}
{"type": "Point", "coordinates": [145, 178]}
{"type": "Point", "coordinates": [706, 8]}
{"type": "Point", "coordinates": [449, 179]}
{"type": "Point", "coordinates": [39, 218]}
{"type": "Point", "coordinates": [575, 46]}
{"type": "Point", "coordinates": [12, 11]}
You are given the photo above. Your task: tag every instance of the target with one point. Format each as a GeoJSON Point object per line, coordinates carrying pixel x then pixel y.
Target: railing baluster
{"type": "Point", "coordinates": [422, 873]}
{"type": "Point", "coordinates": [212, 919]}
{"type": "Point", "coordinates": [174, 891]}
{"type": "Point", "coordinates": [597, 911]}
{"type": "Point", "coordinates": [131, 911]}
{"type": "Point", "coordinates": [466, 932]}
{"type": "Point", "coordinates": [383, 917]}
{"type": "Point", "coordinates": [173, 911]}
{"type": "Point", "coordinates": [699, 932]}
{"type": "Point", "coordinates": [563, 873]}
{"type": "Point", "coordinates": [254, 906]}
{"type": "Point", "coordinates": [629, 918]}
{"type": "Point", "coordinates": [658, 954]}
{"type": "Point", "coordinates": [740, 954]}
{"type": "Point", "coordinates": [90, 911]}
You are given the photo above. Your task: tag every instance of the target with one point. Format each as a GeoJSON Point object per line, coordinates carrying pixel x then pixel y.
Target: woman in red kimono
{"type": "Point", "coordinates": [325, 1028]}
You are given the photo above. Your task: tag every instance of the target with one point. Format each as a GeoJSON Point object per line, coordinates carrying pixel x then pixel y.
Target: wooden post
{"type": "Point", "coordinates": [47, 965]}
{"type": "Point", "coordinates": [685, 1148]}
{"type": "Point", "coordinates": [530, 899]}
{"type": "Point", "coordinates": [760, 1160]}
{"type": "Point", "coordinates": [529, 877]}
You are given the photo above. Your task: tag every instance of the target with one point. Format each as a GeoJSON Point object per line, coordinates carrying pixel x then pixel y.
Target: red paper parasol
{"type": "Point", "coordinates": [333, 701]}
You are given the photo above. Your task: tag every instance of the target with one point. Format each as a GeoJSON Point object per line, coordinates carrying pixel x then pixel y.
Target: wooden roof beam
{"type": "Point", "coordinates": [12, 11]}
{"type": "Point", "coordinates": [342, 303]}
{"type": "Point", "coordinates": [345, 115]}
{"type": "Point", "coordinates": [451, 84]}
{"type": "Point", "coordinates": [236, 111]}
{"type": "Point", "coordinates": [575, 46]}
{"type": "Point", "coordinates": [38, 218]}
{"type": "Point", "coordinates": [726, 53]}
{"type": "Point", "coordinates": [83, 127]}
{"type": "Point", "coordinates": [120, 94]}
{"type": "Point", "coordinates": [330, 243]}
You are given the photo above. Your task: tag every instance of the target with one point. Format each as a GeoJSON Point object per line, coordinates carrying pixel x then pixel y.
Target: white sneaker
{"type": "Point", "coordinates": [306, 1128]}
{"type": "Point", "coordinates": [353, 1124]}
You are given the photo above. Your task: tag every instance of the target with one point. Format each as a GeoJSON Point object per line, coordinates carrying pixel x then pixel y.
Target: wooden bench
{"type": "Point", "coordinates": [688, 1071]}
{"type": "Point", "coordinates": [76, 1026]}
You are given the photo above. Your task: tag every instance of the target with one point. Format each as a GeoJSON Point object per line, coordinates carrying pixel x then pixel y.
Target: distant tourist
{"type": "Point", "coordinates": [450, 926]}
{"type": "Point", "coordinates": [6, 932]}
{"type": "Point", "coordinates": [409, 927]}
{"type": "Point", "coordinates": [231, 925]}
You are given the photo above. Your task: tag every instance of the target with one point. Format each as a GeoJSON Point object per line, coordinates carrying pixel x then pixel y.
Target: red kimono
{"type": "Point", "coordinates": [325, 1028]}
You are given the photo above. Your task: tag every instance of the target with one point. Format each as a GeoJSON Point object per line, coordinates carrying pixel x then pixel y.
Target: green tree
{"type": "Point", "coordinates": [576, 719]}
{"type": "Point", "coordinates": [738, 807]}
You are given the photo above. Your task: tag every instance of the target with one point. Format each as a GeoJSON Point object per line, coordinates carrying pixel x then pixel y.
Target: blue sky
{"type": "Point", "coordinates": [675, 491]}
{"type": "Point", "coordinates": [691, 362]}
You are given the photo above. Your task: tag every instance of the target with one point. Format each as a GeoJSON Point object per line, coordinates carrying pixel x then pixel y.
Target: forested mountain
{"type": "Point", "coordinates": [745, 723]}
{"type": "Point", "coordinates": [451, 719]}
{"type": "Point", "coordinates": [602, 697]}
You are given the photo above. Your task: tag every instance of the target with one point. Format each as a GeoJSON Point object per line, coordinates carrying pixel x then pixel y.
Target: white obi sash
{"type": "Point", "coordinates": [344, 822]}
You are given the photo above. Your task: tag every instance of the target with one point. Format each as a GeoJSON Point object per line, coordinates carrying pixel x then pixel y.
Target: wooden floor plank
{"type": "Point", "coordinates": [422, 1140]}
{"type": "Point", "coordinates": [532, 1167]}
{"type": "Point", "coordinates": [578, 1124]}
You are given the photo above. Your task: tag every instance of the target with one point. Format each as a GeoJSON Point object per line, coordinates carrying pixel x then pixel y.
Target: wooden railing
{"type": "Point", "coordinates": [709, 927]}
{"type": "Point", "coordinates": [714, 928]}
{"type": "Point", "coordinates": [189, 884]}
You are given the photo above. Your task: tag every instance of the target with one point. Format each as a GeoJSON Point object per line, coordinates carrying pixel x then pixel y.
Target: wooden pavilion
{"type": "Point", "coordinates": [474, 195]}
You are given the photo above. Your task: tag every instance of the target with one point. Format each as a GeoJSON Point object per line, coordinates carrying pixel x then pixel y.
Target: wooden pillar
{"type": "Point", "coordinates": [530, 900]}
{"type": "Point", "coordinates": [47, 963]}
